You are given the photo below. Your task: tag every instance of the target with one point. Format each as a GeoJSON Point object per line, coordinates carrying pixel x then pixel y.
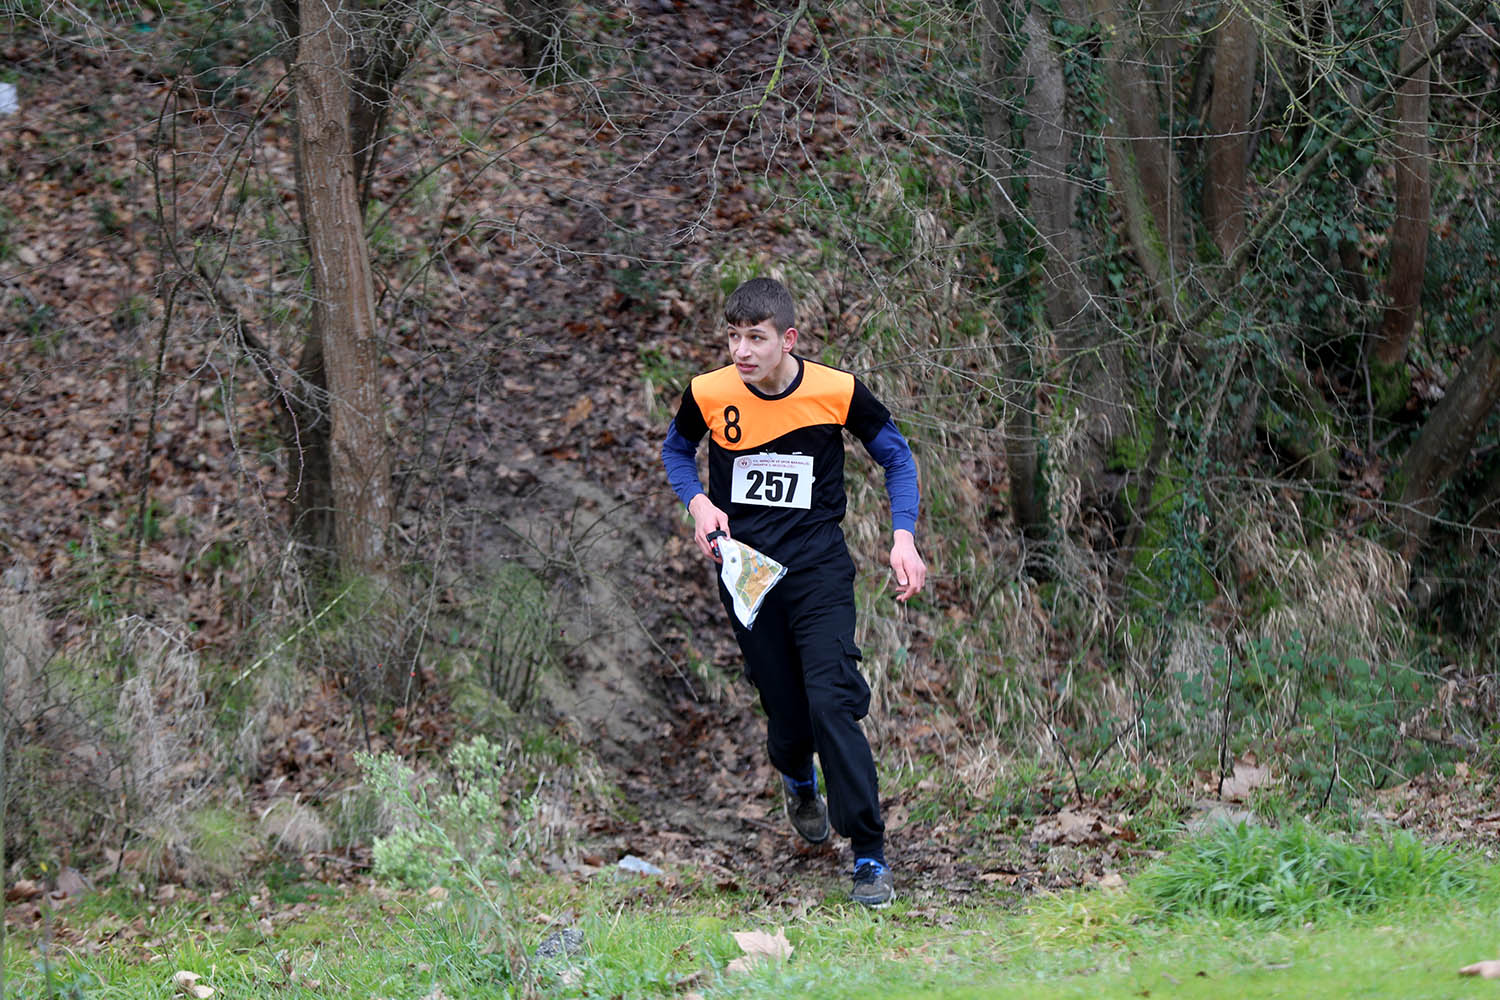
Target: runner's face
{"type": "Point", "coordinates": [761, 353]}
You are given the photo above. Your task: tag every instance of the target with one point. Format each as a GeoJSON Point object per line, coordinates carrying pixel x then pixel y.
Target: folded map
{"type": "Point", "coordinates": [749, 575]}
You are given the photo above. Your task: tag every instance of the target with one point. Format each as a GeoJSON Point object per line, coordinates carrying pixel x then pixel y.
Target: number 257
{"type": "Point", "coordinates": [772, 487]}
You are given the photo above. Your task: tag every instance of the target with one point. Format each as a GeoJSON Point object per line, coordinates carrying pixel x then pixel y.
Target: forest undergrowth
{"type": "Point", "coordinates": [186, 712]}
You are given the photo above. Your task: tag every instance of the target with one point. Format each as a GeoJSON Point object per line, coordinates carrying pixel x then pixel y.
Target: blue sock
{"type": "Point", "coordinates": [875, 858]}
{"type": "Point", "coordinates": [808, 780]}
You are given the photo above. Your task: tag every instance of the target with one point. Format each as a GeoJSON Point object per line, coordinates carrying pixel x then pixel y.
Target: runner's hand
{"type": "Point", "coordinates": [707, 519]}
{"type": "Point", "coordinates": [911, 571]}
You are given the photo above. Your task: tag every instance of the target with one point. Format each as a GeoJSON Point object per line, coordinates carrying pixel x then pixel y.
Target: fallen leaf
{"type": "Point", "coordinates": [1488, 969]}
{"type": "Point", "coordinates": [758, 945]}
{"type": "Point", "coordinates": [23, 890]}
{"type": "Point", "coordinates": [1245, 779]}
{"type": "Point", "coordinates": [578, 412]}
{"type": "Point", "coordinates": [188, 983]}
{"type": "Point", "coordinates": [1112, 880]}
{"type": "Point", "coordinates": [1075, 828]}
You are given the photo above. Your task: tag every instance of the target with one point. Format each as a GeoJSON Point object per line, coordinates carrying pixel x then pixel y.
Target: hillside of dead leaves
{"type": "Point", "coordinates": [526, 407]}
{"type": "Point", "coordinates": [523, 397]}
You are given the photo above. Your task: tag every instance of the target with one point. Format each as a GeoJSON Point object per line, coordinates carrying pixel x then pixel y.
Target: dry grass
{"type": "Point", "coordinates": [24, 647]}
{"type": "Point", "coordinates": [113, 740]}
{"type": "Point", "coordinates": [294, 827]}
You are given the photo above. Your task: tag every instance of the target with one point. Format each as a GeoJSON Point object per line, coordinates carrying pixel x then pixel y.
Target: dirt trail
{"type": "Point", "coordinates": [568, 475]}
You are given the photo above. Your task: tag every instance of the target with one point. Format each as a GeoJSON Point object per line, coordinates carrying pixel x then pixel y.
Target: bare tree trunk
{"type": "Point", "coordinates": [1442, 448]}
{"type": "Point", "coordinates": [1053, 194]}
{"type": "Point", "coordinates": [1091, 363]}
{"type": "Point", "coordinates": [1224, 189]}
{"type": "Point", "coordinates": [1047, 146]}
{"type": "Point", "coordinates": [344, 306]}
{"type": "Point", "coordinates": [1142, 167]}
{"type": "Point", "coordinates": [1413, 190]}
{"type": "Point", "coordinates": [304, 424]}
{"type": "Point", "coordinates": [1022, 456]}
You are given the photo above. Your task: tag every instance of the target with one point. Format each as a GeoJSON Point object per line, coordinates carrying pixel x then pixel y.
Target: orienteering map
{"type": "Point", "coordinates": [749, 575]}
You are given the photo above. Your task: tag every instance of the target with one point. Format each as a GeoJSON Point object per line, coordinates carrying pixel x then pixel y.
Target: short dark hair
{"type": "Point", "coordinates": [761, 299]}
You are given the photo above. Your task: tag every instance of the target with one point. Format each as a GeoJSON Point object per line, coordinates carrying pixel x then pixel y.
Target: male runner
{"type": "Point", "coordinates": [775, 424]}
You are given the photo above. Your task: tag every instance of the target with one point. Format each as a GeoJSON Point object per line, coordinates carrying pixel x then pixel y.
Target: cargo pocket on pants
{"type": "Point", "coordinates": [855, 689]}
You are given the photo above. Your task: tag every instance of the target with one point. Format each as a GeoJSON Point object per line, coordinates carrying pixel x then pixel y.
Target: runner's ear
{"type": "Point", "coordinates": [789, 339]}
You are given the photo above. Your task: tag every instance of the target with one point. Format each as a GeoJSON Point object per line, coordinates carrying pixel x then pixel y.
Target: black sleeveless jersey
{"type": "Point", "coordinates": [776, 463]}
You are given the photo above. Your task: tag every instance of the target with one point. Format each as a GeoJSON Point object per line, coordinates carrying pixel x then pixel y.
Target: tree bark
{"type": "Point", "coordinates": [1443, 446]}
{"type": "Point", "coordinates": [1224, 189]}
{"type": "Point", "coordinates": [1067, 320]}
{"type": "Point", "coordinates": [1409, 231]}
{"type": "Point", "coordinates": [1091, 364]}
{"type": "Point", "coordinates": [303, 422]}
{"type": "Point", "coordinates": [1022, 456]}
{"type": "Point", "coordinates": [1051, 198]}
{"type": "Point", "coordinates": [1052, 194]}
{"type": "Point", "coordinates": [343, 320]}
{"type": "Point", "coordinates": [1142, 168]}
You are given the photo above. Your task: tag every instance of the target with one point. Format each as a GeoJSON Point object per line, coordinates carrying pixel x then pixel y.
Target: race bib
{"type": "Point", "coordinates": [773, 480]}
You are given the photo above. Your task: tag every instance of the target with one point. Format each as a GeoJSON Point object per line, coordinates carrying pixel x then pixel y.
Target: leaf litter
{"type": "Point", "coordinates": [561, 392]}
{"type": "Point", "coordinates": [759, 946]}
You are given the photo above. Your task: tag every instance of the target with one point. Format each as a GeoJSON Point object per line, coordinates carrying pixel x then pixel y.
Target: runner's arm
{"type": "Point", "coordinates": [679, 455]}
{"type": "Point", "coordinates": [890, 449]}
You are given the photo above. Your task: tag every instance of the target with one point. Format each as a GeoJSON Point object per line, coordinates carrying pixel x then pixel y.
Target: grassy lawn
{"type": "Point", "coordinates": [673, 936]}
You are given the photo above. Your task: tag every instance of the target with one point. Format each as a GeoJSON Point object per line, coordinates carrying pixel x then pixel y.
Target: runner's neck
{"type": "Point", "coordinates": [785, 375]}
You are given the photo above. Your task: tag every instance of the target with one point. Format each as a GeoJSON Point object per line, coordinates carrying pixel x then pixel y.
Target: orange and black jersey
{"type": "Point", "coordinates": [776, 463]}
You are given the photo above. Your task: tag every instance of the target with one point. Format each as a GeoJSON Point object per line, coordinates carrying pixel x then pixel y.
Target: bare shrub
{"type": "Point", "coordinates": [367, 638]}
{"type": "Point", "coordinates": [62, 767]}
{"type": "Point", "coordinates": [165, 728]}
{"type": "Point", "coordinates": [92, 765]}
{"type": "Point", "coordinates": [24, 647]}
{"type": "Point", "coordinates": [1340, 596]}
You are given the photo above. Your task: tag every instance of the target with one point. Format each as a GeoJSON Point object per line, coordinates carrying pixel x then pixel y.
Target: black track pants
{"type": "Point", "coordinates": [802, 659]}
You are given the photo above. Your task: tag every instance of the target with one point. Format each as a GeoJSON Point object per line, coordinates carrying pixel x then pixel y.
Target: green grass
{"type": "Point", "coordinates": [1400, 935]}
{"type": "Point", "coordinates": [1298, 873]}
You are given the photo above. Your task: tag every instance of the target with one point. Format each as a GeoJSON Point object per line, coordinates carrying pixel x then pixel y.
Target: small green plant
{"type": "Point", "coordinates": [735, 270]}
{"type": "Point", "coordinates": [41, 328]}
{"type": "Point", "coordinates": [664, 376]}
{"type": "Point", "coordinates": [1298, 873]}
{"type": "Point", "coordinates": [468, 835]}
{"type": "Point", "coordinates": [107, 217]}
{"type": "Point", "coordinates": [151, 520]}
{"type": "Point", "coordinates": [1320, 708]}
{"type": "Point", "coordinates": [520, 637]}
{"type": "Point", "coordinates": [466, 840]}
{"type": "Point", "coordinates": [216, 842]}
